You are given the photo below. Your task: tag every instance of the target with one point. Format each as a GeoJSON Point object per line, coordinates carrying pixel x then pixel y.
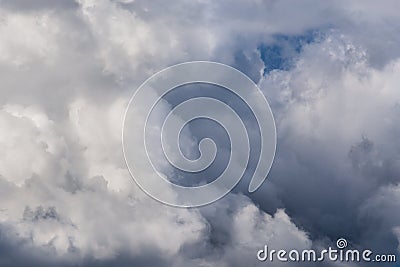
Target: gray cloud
{"type": "Point", "coordinates": [67, 70]}
{"type": "Point", "coordinates": [337, 144]}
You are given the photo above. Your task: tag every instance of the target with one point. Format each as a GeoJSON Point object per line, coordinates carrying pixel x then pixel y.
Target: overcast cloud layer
{"type": "Point", "coordinates": [329, 69]}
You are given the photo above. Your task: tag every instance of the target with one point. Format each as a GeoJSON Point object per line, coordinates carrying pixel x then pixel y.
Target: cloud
{"type": "Point", "coordinates": [337, 120]}
{"type": "Point", "coordinates": [80, 205]}
{"type": "Point", "coordinates": [67, 70]}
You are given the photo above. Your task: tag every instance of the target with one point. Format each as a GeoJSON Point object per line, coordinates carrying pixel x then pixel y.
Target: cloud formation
{"type": "Point", "coordinates": [68, 68]}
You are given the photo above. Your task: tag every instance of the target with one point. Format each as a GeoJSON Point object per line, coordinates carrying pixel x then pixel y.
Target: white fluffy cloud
{"type": "Point", "coordinates": [337, 117]}
{"type": "Point", "coordinates": [68, 69]}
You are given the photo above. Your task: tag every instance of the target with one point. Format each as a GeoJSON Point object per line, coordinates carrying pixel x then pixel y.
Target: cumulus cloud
{"type": "Point", "coordinates": [68, 68]}
{"type": "Point", "coordinates": [337, 117]}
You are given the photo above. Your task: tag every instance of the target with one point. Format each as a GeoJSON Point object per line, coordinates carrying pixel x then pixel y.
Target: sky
{"type": "Point", "coordinates": [330, 71]}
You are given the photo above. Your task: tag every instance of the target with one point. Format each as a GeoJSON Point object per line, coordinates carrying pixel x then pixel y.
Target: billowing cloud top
{"type": "Point", "coordinates": [329, 69]}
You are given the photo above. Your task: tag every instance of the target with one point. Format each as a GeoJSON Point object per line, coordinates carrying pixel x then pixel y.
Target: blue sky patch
{"type": "Point", "coordinates": [280, 53]}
